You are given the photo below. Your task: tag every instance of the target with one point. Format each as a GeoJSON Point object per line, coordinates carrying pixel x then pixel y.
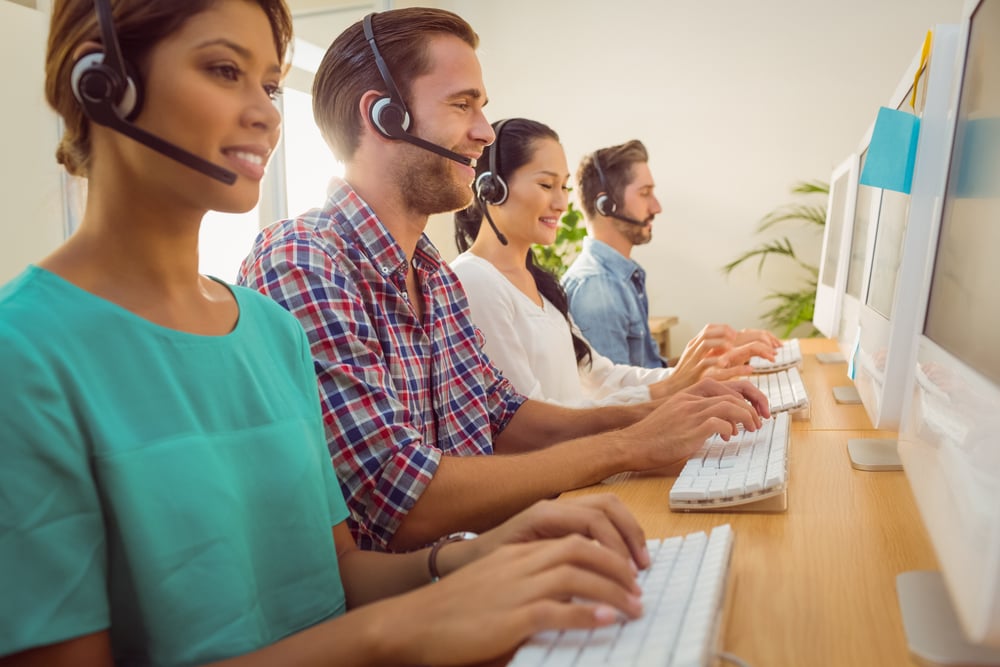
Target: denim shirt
{"type": "Point", "coordinates": [608, 302]}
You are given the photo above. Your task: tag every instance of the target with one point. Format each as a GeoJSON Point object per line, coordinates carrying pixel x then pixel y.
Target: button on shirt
{"type": "Point", "coordinates": [608, 302]}
{"type": "Point", "coordinates": [397, 393]}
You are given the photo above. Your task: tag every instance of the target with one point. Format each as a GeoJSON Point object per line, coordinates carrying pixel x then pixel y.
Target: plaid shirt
{"type": "Point", "coordinates": [396, 393]}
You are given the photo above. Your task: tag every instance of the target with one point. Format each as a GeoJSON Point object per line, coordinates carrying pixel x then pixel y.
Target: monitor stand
{"type": "Point", "coordinates": [933, 634]}
{"type": "Point", "coordinates": [831, 358]}
{"type": "Point", "coordinates": [874, 454]}
{"type": "Point", "coordinates": [846, 395]}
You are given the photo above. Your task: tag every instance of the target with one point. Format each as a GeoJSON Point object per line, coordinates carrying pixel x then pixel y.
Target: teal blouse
{"type": "Point", "coordinates": [172, 488]}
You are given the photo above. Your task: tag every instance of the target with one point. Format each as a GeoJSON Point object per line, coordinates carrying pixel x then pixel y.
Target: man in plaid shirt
{"type": "Point", "coordinates": [425, 434]}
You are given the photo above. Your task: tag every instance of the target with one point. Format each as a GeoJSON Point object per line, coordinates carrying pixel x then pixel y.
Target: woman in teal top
{"type": "Point", "coordinates": [166, 497]}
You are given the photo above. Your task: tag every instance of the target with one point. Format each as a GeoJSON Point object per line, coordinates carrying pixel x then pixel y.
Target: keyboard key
{"type": "Point", "coordinates": [784, 390]}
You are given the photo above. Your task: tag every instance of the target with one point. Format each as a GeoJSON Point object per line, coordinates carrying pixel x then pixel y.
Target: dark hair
{"type": "Point", "coordinates": [140, 26]}
{"type": "Point", "coordinates": [348, 69]}
{"type": "Point", "coordinates": [616, 164]}
{"type": "Point", "coordinates": [517, 143]}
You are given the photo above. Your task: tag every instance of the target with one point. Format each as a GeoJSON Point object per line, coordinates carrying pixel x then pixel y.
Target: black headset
{"type": "Point", "coordinates": [110, 94]}
{"type": "Point", "coordinates": [490, 186]}
{"type": "Point", "coordinates": [100, 81]}
{"type": "Point", "coordinates": [605, 203]}
{"type": "Point", "coordinates": [389, 114]}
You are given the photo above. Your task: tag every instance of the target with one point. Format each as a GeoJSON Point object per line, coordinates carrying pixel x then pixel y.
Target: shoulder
{"type": "Point", "coordinates": [38, 308]}
{"type": "Point", "coordinates": [473, 271]}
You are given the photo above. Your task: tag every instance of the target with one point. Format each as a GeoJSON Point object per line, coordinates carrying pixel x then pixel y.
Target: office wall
{"type": "Point", "coordinates": [30, 187]}
{"type": "Point", "coordinates": [735, 100]}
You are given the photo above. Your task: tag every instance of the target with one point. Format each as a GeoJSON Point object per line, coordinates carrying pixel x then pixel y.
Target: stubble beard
{"type": "Point", "coordinates": [429, 186]}
{"type": "Point", "coordinates": [635, 234]}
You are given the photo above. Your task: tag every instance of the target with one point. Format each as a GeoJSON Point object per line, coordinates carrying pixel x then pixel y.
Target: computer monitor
{"type": "Point", "coordinates": [833, 258]}
{"type": "Point", "coordinates": [857, 250]}
{"type": "Point", "coordinates": [888, 314]}
{"type": "Point", "coordinates": [950, 432]}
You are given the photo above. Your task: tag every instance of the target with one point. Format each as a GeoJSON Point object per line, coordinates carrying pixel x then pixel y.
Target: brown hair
{"type": "Point", "coordinates": [348, 69]}
{"type": "Point", "coordinates": [140, 25]}
{"type": "Point", "coordinates": [616, 164]}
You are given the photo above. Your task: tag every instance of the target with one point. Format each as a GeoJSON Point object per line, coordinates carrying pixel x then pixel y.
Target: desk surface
{"type": "Point", "coordinates": [820, 379]}
{"type": "Point", "coordinates": [814, 585]}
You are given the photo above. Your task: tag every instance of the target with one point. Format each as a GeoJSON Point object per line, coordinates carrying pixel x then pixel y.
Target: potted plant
{"type": "Point", "coordinates": [793, 307]}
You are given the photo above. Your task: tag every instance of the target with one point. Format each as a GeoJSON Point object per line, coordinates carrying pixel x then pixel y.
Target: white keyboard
{"type": "Point", "coordinates": [682, 598]}
{"type": "Point", "coordinates": [750, 467]}
{"type": "Point", "coordinates": [784, 390]}
{"type": "Point", "coordinates": [786, 356]}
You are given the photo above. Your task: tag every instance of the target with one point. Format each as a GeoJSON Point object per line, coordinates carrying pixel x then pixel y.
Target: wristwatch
{"type": "Point", "coordinates": [447, 539]}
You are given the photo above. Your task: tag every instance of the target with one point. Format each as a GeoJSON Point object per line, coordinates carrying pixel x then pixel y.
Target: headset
{"type": "Point", "coordinates": [389, 114]}
{"type": "Point", "coordinates": [490, 188]}
{"type": "Point", "coordinates": [108, 91]}
{"type": "Point", "coordinates": [605, 203]}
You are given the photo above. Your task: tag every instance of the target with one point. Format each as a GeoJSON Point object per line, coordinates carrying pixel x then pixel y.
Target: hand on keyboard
{"type": "Point", "coordinates": [786, 356]}
{"type": "Point", "coordinates": [681, 424]}
{"type": "Point", "coordinates": [602, 517]}
{"type": "Point", "coordinates": [748, 468]}
{"type": "Point", "coordinates": [491, 605]}
{"type": "Point", "coordinates": [683, 594]}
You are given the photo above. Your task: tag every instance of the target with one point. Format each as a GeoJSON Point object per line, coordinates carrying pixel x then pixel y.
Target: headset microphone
{"type": "Point", "coordinates": [605, 203]}
{"type": "Point", "coordinates": [389, 114]}
{"type": "Point", "coordinates": [111, 97]}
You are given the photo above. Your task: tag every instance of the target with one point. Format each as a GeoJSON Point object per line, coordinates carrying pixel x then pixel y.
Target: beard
{"type": "Point", "coordinates": [428, 184]}
{"type": "Point", "coordinates": [635, 234]}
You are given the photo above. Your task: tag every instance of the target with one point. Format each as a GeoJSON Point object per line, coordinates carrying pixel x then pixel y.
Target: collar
{"type": "Point", "coordinates": [357, 224]}
{"type": "Point", "coordinates": [617, 264]}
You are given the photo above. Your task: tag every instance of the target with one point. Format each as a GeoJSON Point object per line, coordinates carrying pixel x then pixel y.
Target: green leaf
{"type": "Point", "coordinates": [795, 307]}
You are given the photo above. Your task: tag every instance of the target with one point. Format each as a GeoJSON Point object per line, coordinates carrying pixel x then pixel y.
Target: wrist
{"type": "Point", "coordinates": [450, 553]}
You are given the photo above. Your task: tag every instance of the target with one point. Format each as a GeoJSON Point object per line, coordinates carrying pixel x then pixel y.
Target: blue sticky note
{"type": "Point", "coordinates": [892, 151]}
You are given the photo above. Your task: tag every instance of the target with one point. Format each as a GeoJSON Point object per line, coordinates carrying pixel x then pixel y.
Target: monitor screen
{"type": "Point", "coordinates": [963, 311]}
{"type": "Point", "coordinates": [835, 226]}
{"type": "Point", "coordinates": [890, 227]}
{"type": "Point", "coordinates": [859, 236]}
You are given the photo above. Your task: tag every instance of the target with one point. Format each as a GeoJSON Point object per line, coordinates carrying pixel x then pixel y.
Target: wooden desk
{"type": "Point", "coordinates": [819, 380]}
{"type": "Point", "coordinates": [814, 585]}
{"type": "Point", "coordinates": [659, 327]}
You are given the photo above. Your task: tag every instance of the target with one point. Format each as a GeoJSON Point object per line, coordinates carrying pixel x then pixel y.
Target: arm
{"type": "Point", "coordinates": [472, 493]}
{"type": "Point", "coordinates": [543, 570]}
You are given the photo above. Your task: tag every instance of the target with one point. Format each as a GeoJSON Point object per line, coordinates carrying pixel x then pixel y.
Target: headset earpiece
{"type": "Point", "coordinates": [491, 189]}
{"type": "Point", "coordinates": [604, 202]}
{"type": "Point", "coordinates": [605, 205]}
{"type": "Point", "coordinates": [99, 87]}
{"type": "Point", "coordinates": [490, 186]}
{"type": "Point", "coordinates": [389, 118]}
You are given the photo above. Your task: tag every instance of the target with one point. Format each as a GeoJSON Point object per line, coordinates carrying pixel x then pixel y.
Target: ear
{"type": "Point", "coordinates": [364, 109]}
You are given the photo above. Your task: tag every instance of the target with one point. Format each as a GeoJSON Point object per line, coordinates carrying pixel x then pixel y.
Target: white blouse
{"type": "Point", "coordinates": [533, 348]}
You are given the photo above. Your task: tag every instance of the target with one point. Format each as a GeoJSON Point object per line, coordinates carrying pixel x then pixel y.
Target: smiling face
{"type": "Point", "coordinates": [538, 196]}
{"type": "Point", "coordinates": [209, 90]}
{"type": "Point", "coordinates": [446, 108]}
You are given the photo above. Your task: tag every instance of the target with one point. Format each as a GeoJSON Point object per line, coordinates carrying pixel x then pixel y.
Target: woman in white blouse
{"type": "Point", "coordinates": [521, 308]}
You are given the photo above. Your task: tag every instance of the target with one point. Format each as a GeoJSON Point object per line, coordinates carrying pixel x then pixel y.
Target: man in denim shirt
{"type": "Point", "coordinates": [605, 286]}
